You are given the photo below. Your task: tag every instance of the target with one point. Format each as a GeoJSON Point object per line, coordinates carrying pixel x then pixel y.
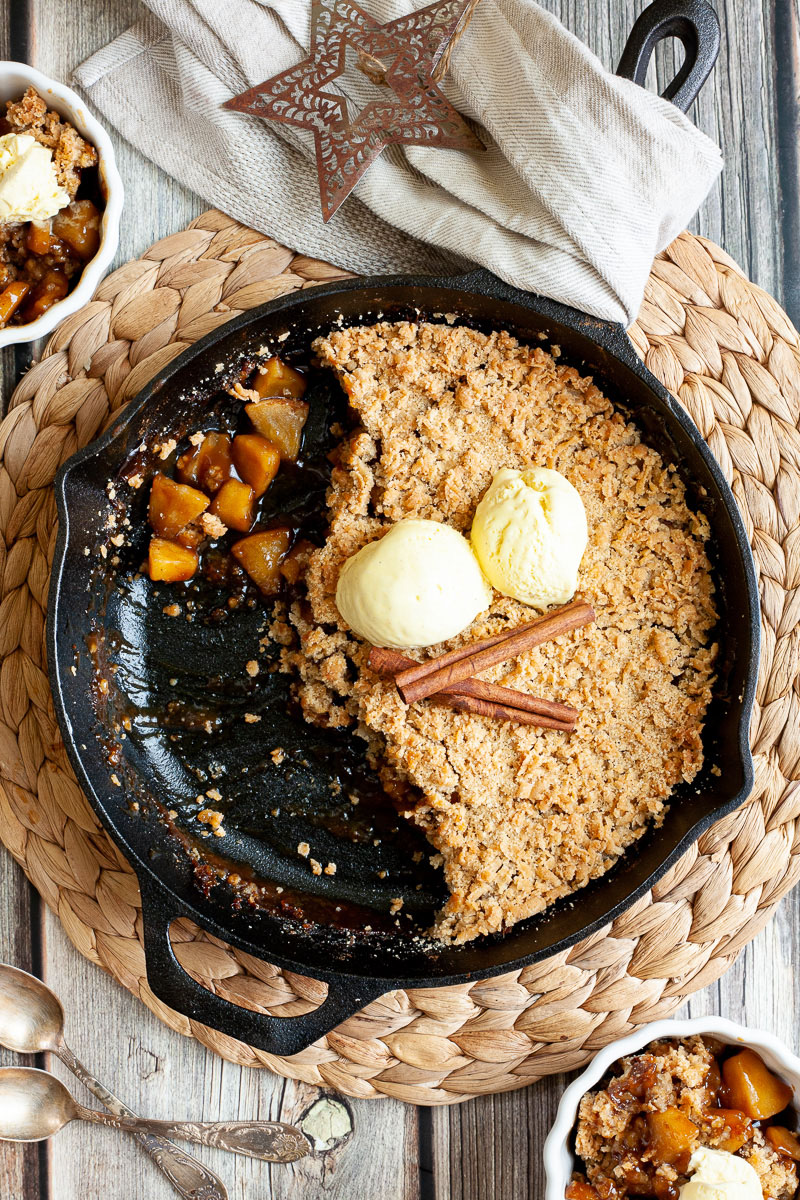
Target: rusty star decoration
{"type": "Point", "coordinates": [404, 56]}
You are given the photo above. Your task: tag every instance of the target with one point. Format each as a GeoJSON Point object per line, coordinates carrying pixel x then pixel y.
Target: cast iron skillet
{"type": "Point", "coordinates": [105, 622]}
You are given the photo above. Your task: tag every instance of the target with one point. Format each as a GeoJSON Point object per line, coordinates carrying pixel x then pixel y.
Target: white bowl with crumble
{"type": "Point", "coordinates": [680, 1110]}
{"type": "Point", "coordinates": [60, 203]}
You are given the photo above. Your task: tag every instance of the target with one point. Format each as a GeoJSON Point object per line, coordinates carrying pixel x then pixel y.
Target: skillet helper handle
{"type": "Point", "coordinates": [282, 1036]}
{"type": "Point", "coordinates": [692, 22]}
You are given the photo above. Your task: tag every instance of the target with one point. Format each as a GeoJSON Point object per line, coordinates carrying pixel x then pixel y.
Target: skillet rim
{"type": "Point", "coordinates": [609, 338]}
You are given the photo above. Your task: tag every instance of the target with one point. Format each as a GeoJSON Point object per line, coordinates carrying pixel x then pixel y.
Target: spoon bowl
{"type": "Point", "coordinates": [31, 1017]}
{"type": "Point", "coordinates": [33, 1105]}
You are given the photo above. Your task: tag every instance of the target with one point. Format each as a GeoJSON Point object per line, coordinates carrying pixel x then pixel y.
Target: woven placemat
{"type": "Point", "coordinates": [730, 354]}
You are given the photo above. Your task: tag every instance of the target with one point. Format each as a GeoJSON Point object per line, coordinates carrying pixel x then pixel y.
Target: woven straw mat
{"type": "Point", "coordinates": [732, 357]}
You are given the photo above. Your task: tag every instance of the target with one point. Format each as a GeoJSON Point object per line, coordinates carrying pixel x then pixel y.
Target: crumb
{"type": "Point", "coordinates": [316, 868]}
{"type": "Point", "coordinates": [136, 481]}
{"type": "Point", "coordinates": [251, 718]}
{"type": "Point", "coordinates": [330, 869]}
{"type": "Point", "coordinates": [172, 610]}
{"type": "Point", "coordinates": [214, 794]}
{"type": "Point", "coordinates": [303, 849]}
{"type": "Point", "coordinates": [382, 874]}
{"type": "Point", "coordinates": [103, 552]}
{"type": "Point", "coordinates": [212, 526]}
{"type": "Point", "coordinates": [197, 438]}
{"type": "Point", "coordinates": [277, 755]}
{"type": "Point", "coordinates": [210, 816]}
{"type": "Point", "coordinates": [252, 668]}
{"type": "Point", "coordinates": [396, 905]}
{"type": "Point", "coordinates": [115, 780]}
{"type": "Point", "coordinates": [118, 539]}
{"type": "Point", "coordinates": [73, 670]}
{"type": "Point", "coordinates": [102, 686]}
{"type": "Point", "coordinates": [166, 448]}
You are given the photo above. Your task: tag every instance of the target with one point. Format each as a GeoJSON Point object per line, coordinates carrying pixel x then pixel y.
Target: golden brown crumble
{"type": "Point", "coordinates": [519, 815]}
{"type": "Point", "coordinates": [71, 153]}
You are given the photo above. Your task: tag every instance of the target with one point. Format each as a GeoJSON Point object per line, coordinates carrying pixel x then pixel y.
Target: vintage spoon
{"type": "Point", "coordinates": [34, 1105]}
{"type": "Point", "coordinates": [32, 1021]}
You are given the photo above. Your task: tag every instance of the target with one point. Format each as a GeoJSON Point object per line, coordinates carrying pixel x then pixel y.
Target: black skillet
{"type": "Point", "coordinates": [167, 675]}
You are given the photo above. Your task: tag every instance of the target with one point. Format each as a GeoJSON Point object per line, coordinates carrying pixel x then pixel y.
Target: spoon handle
{"type": "Point", "coordinates": [271, 1141]}
{"type": "Point", "coordinates": [190, 1178]}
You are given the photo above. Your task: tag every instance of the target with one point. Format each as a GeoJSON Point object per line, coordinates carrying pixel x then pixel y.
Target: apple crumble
{"type": "Point", "coordinates": [50, 208]}
{"type": "Point", "coordinates": [639, 1134]}
{"type": "Point", "coordinates": [519, 815]}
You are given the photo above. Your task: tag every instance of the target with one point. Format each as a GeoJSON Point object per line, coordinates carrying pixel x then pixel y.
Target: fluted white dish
{"type": "Point", "coordinates": [559, 1159]}
{"type": "Point", "coordinates": [15, 78]}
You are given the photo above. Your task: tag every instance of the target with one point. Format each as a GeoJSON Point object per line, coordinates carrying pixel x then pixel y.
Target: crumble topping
{"type": "Point", "coordinates": [520, 816]}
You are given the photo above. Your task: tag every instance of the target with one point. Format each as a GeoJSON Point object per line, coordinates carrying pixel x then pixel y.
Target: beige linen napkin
{"type": "Point", "coordinates": [585, 178]}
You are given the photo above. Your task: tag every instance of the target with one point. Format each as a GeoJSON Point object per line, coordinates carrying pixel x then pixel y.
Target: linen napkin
{"type": "Point", "coordinates": [585, 178]}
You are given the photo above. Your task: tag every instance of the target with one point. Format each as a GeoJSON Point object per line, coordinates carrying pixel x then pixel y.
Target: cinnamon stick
{"type": "Point", "coordinates": [391, 662]}
{"type": "Point", "coordinates": [424, 679]}
{"type": "Point", "coordinates": [500, 712]}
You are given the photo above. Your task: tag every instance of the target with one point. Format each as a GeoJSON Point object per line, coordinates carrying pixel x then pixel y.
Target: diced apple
{"type": "Point", "coordinates": [261, 554]}
{"type": "Point", "coordinates": [208, 465]}
{"type": "Point", "coordinates": [672, 1137]}
{"type": "Point", "coordinates": [784, 1141]}
{"type": "Point", "coordinates": [235, 505]}
{"type": "Point", "coordinates": [274, 377]}
{"type": "Point", "coordinates": [52, 287]}
{"type": "Point", "coordinates": [752, 1087]}
{"type": "Point", "coordinates": [11, 297]}
{"type": "Point", "coordinates": [256, 459]}
{"type": "Point", "coordinates": [78, 226]}
{"type": "Point", "coordinates": [38, 238]}
{"type": "Point", "coordinates": [730, 1128]}
{"type": "Point", "coordinates": [295, 562]}
{"type": "Point", "coordinates": [170, 562]}
{"type": "Point", "coordinates": [579, 1189]}
{"type": "Point", "coordinates": [173, 506]}
{"type": "Point", "coordinates": [280, 420]}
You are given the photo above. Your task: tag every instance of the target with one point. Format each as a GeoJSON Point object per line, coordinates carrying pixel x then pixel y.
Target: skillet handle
{"type": "Point", "coordinates": [282, 1036]}
{"type": "Point", "coordinates": [696, 25]}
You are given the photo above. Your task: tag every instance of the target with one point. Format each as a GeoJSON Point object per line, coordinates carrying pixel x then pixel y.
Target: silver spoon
{"type": "Point", "coordinates": [34, 1105]}
{"type": "Point", "coordinates": [32, 1021]}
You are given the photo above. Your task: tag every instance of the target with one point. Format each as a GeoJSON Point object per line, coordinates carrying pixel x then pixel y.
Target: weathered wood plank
{"type": "Point", "coordinates": [20, 1175]}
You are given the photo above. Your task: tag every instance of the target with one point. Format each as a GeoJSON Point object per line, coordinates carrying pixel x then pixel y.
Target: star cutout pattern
{"type": "Point", "coordinates": [401, 56]}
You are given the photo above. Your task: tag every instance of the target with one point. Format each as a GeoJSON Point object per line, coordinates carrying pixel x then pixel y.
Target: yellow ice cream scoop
{"type": "Point", "coordinates": [29, 188]}
{"type": "Point", "coordinates": [529, 535]}
{"type": "Point", "coordinates": [418, 585]}
{"type": "Point", "coordinates": [720, 1175]}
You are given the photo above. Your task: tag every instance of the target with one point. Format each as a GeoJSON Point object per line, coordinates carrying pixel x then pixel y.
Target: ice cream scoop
{"type": "Point", "coordinates": [29, 188]}
{"type": "Point", "coordinates": [529, 535]}
{"type": "Point", "coordinates": [720, 1175]}
{"type": "Point", "coordinates": [417, 585]}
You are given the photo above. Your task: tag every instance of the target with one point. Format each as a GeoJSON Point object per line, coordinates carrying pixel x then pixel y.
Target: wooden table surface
{"type": "Point", "coordinates": [488, 1149]}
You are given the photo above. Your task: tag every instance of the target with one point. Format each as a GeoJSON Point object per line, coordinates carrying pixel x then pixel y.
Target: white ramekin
{"type": "Point", "coordinates": [559, 1160]}
{"type": "Point", "coordinates": [14, 79]}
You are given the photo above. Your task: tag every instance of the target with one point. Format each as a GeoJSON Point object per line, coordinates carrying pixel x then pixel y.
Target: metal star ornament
{"type": "Point", "coordinates": [405, 56]}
